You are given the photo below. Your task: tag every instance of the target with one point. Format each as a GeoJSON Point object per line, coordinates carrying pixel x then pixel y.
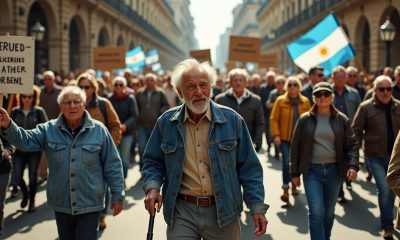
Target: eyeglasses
{"type": "Point", "coordinates": [26, 97]}
{"type": "Point", "coordinates": [382, 89]}
{"type": "Point", "coordinates": [118, 85]}
{"type": "Point", "coordinates": [86, 87]}
{"type": "Point", "coordinates": [321, 93]}
{"type": "Point", "coordinates": [72, 102]}
{"type": "Point", "coordinates": [351, 75]}
{"type": "Point", "coordinates": [280, 82]}
{"type": "Point", "coordinates": [320, 75]}
{"type": "Point", "coordinates": [293, 85]}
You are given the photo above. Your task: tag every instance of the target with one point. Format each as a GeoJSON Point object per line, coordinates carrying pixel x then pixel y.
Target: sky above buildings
{"type": "Point", "coordinates": [211, 18]}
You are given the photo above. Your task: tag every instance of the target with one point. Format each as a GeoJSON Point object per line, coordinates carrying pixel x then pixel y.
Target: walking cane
{"type": "Point", "coordinates": [151, 223]}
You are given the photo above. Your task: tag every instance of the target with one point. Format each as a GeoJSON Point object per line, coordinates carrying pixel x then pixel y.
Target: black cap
{"type": "Point", "coordinates": [322, 86]}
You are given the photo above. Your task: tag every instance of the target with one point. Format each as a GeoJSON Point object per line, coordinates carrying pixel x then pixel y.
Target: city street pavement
{"type": "Point", "coordinates": [356, 219]}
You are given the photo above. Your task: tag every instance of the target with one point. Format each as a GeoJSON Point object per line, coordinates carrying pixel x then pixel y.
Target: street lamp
{"type": "Point", "coordinates": [388, 32]}
{"type": "Point", "coordinates": [37, 31]}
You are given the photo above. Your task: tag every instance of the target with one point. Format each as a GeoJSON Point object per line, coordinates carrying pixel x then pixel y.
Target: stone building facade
{"type": "Point", "coordinates": [74, 27]}
{"type": "Point", "coordinates": [283, 21]}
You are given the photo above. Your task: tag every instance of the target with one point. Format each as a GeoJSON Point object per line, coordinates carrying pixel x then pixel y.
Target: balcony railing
{"type": "Point", "coordinates": [132, 15]}
{"type": "Point", "coordinates": [309, 13]}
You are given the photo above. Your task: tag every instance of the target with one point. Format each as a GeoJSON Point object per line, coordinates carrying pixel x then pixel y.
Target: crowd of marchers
{"type": "Point", "coordinates": [195, 135]}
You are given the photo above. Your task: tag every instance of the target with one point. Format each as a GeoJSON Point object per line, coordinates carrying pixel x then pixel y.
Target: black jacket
{"type": "Point", "coordinates": [250, 109]}
{"type": "Point", "coordinates": [303, 138]}
{"type": "Point", "coordinates": [6, 150]}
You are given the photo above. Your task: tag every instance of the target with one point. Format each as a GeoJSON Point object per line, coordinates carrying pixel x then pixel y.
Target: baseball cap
{"type": "Point", "coordinates": [322, 86]}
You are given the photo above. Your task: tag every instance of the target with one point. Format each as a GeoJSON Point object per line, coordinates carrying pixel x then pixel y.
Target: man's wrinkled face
{"type": "Point", "coordinates": [195, 90]}
{"type": "Point", "coordinates": [72, 107]}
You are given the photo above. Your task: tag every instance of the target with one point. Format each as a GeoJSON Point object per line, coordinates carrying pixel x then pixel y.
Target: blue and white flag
{"type": "Point", "coordinates": [251, 67]}
{"type": "Point", "coordinates": [135, 58]}
{"type": "Point", "coordinates": [324, 45]}
{"type": "Point", "coordinates": [157, 68]}
{"type": "Point", "coordinates": [152, 57]}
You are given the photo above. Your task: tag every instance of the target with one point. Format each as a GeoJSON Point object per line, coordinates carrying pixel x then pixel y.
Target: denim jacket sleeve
{"type": "Point", "coordinates": [112, 169]}
{"type": "Point", "coordinates": [26, 140]}
{"type": "Point", "coordinates": [153, 161]}
{"type": "Point", "coordinates": [250, 171]}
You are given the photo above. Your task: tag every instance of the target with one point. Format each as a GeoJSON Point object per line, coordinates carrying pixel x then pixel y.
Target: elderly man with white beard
{"type": "Point", "coordinates": [201, 154]}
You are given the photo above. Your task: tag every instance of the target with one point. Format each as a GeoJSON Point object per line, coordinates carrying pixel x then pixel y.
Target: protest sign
{"type": "Point", "coordinates": [201, 55]}
{"type": "Point", "coordinates": [108, 58]}
{"type": "Point", "coordinates": [244, 49]}
{"type": "Point", "coordinates": [16, 64]}
{"type": "Point", "coordinates": [269, 60]}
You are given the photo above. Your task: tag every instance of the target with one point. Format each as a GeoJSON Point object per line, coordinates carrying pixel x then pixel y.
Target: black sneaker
{"type": "Point", "coordinates": [31, 207]}
{"type": "Point", "coordinates": [14, 193]}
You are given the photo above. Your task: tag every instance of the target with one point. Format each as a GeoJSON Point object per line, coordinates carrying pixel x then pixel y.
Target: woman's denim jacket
{"type": "Point", "coordinates": [79, 168]}
{"type": "Point", "coordinates": [234, 163]}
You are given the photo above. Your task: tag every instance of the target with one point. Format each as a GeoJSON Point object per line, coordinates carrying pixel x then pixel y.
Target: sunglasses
{"type": "Point", "coordinates": [382, 89]}
{"type": "Point", "coordinates": [321, 93]}
{"type": "Point", "coordinates": [293, 85]}
{"type": "Point", "coordinates": [86, 87]}
{"type": "Point", "coordinates": [320, 75]}
{"type": "Point", "coordinates": [351, 75]}
{"type": "Point", "coordinates": [118, 85]}
{"type": "Point", "coordinates": [26, 97]}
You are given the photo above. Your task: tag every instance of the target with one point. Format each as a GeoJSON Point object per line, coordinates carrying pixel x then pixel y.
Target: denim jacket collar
{"type": "Point", "coordinates": [88, 121]}
{"type": "Point", "coordinates": [216, 114]}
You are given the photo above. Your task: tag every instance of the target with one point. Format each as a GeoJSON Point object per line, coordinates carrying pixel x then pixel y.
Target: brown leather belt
{"type": "Point", "coordinates": [198, 201]}
{"type": "Point", "coordinates": [325, 164]}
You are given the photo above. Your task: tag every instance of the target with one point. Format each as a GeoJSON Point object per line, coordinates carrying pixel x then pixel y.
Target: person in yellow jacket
{"type": "Point", "coordinates": [285, 112]}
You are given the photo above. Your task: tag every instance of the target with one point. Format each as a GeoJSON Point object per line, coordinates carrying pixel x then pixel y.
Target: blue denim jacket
{"type": "Point", "coordinates": [80, 168]}
{"type": "Point", "coordinates": [234, 163]}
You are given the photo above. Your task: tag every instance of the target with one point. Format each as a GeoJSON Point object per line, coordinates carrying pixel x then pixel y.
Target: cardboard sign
{"type": "Point", "coordinates": [147, 70]}
{"type": "Point", "coordinates": [269, 60]}
{"type": "Point", "coordinates": [108, 58]}
{"type": "Point", "coordinates": [17, 54]}
{"type": "Point", "coordinates": [244, 49]}
{"type": "Point", "coordinates": [201, 55]}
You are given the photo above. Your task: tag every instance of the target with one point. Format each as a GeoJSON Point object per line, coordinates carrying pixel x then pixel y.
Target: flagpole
{"type": "Point", "coordinates": [366, 79]}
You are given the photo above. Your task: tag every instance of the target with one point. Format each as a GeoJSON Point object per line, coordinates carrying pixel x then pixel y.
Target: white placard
{"type": "Point", "coordinates": [17, 64]}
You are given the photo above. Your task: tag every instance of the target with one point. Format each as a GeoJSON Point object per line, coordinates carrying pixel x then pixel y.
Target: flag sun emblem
{"type": "Point", "coordinates": [323, 51]}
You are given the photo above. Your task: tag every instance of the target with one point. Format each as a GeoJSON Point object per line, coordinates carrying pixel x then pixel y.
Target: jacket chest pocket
{"type": "Point", "coordinates": [169, 151]}
{"type": "Point", "coordinates": [227, 153]}
{"type": "Point", "coordinates": [55, 153]}
{"type": "Point", "coordinates": [90, 154]}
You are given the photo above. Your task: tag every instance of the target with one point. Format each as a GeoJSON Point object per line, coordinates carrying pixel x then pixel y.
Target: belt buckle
{"type": "Point", "coordinates": [203, 198]}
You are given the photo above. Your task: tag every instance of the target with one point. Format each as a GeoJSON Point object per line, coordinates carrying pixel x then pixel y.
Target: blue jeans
{"type": "Point", "coordinates": [322, 186]}
{"type": "Point", "coordinates": [77, 227]}
{"type": "Point", "coordinates": [379, 167]}
{"type": "Point", "coordinates": [124, 149]}
{"type": "Point", "coordinates": [20, 160]}
{"type": "Point", "coordinates": [143, 138]}
{"type": "Point", "coordinates": [285, 148]}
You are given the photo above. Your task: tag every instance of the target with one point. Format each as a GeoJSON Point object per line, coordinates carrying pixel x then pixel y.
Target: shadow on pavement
{"type": "Point", "coordinates": [356, 209]}
{"type": "Point", "coordinates": [296, 215]}
{"type": "Point", "coordinates": [22, 222]}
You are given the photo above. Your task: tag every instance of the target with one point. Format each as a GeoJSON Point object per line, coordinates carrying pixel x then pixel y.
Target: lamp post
{"type": "Point", "coordinates": [388, 32]}
{"type": "Point", "coordinates": [37, 31]}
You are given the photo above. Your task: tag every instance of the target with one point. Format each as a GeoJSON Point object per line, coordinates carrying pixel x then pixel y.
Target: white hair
{"type": "Point", "coordinates": [121, 80]}
{"type": "Point", "coordinates": [71, 89]}
{"type": "Point", "coordinates": [189, 64]}
{"type": "Point", "coordinates": [351, 69]}
{"type": "Point", "coordinates": [238, 71]}
{"type": "Point", "coordinates": [382, 78]}
{"type": "Point", "coordinates": [49, 73]}
{"type": "Point", "coordinates": [397, 70]}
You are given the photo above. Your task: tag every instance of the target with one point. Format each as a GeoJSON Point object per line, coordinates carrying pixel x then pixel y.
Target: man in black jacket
{"type": "Point", "coordinates": [246, 103]}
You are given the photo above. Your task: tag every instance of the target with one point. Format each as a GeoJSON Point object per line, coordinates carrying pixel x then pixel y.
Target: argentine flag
{"type": "Point", "coordinates": [157, 68]}
{"type": "Point", "coordinates": [135, 58]}
{"type": "Point", "coordinates": [324, 45]}
{"type": "Point", "coordinates": [152, 57]}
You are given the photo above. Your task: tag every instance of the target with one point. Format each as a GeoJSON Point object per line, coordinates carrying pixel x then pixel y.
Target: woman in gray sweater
{"type": "Point", "coordinates": [329, 155]}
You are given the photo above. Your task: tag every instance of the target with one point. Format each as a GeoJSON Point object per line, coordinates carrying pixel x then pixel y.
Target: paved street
{"type": "Point", "coordinates": [357, 219]}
